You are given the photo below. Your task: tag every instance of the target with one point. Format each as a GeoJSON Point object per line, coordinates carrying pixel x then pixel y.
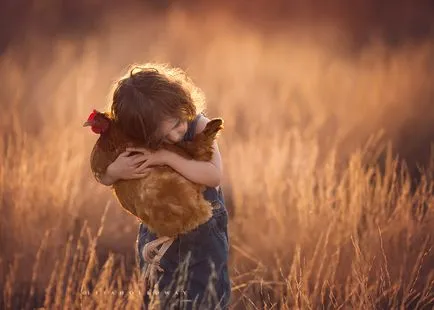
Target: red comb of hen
{"type": "Point", "coordinates": [92, 115]}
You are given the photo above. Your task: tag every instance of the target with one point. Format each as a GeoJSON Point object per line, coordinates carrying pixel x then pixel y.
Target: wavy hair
{"type": "Point", "coordinates": [149, 94]}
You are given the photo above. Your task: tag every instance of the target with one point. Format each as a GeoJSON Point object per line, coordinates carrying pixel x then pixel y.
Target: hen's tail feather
{"type": "Point", "coordinates": [204, 141]}
{"type": "Point", "coordinates": [212, 128]}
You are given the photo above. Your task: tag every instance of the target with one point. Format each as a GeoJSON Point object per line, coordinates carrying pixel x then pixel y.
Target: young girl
{"type": "Point", "coordinates": [156, 103]}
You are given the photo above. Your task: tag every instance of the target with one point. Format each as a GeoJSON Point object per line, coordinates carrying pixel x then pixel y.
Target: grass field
{"type": "Point", "coordinates": [325, 215]}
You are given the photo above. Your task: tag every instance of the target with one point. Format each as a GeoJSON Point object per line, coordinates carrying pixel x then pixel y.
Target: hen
{"type": "Point", "coordinates": [166, 202]}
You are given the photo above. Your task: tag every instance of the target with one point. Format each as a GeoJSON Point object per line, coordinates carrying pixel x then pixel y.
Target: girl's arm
{"type": "Point", "coordinates": [201, 172]}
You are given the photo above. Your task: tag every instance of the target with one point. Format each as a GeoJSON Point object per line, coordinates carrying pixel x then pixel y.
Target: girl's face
{"type": "Point", "coordinates": [173, 130]}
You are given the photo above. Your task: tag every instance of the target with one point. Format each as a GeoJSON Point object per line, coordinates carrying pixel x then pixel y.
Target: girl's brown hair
{"type": "Point", "coordinates": [150, 93]}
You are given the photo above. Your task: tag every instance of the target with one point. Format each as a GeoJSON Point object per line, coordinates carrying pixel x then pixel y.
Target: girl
{"type": "Point", "coordinates": [155, 104]}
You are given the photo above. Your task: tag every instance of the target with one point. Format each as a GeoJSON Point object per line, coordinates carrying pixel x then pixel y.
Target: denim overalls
{"type": "Point", "coordinates": [205, 244]}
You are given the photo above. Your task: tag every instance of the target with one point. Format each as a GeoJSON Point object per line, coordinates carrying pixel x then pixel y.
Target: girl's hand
{"type": "Point", "coordinates": [125, 167]}
{"type": "Point", "coordinates": [156, 158]}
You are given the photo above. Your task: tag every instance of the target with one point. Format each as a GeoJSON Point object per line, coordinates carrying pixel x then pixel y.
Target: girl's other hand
{"type": "Point", "coordinates": [125, 167]}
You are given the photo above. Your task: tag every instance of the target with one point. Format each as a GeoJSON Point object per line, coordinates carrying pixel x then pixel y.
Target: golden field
{"type": "Point", "coordinates": [324, 214]}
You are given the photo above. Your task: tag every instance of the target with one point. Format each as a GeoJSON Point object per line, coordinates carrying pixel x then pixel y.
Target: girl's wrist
{"type": "Point", "coordinates": [166, 157]}
{"type": "Point", "coordinates": [109, 178]}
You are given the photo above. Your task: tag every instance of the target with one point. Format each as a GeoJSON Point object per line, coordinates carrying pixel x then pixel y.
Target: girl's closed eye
{"type": "Point", "coordinates": [173, 130]}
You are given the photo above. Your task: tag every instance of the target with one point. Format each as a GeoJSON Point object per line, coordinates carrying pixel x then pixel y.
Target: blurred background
{"type": "Point", "coordinates": [312, 93]}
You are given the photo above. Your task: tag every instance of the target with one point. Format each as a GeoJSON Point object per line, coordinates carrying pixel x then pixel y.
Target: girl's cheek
{"type": "Point", "coordinates": [172, 138]}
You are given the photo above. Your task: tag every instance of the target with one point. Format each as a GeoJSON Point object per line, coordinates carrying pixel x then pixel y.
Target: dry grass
{"type": "Point", "coordinates": [318, 223]}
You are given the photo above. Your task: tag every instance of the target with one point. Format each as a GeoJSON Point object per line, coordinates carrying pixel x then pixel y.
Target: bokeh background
{"type": "Point", "coordinates": [327, 147]}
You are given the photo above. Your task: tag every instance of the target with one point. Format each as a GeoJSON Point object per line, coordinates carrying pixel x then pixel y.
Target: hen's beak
{"type": "Point", "coordinates": [87, 123]}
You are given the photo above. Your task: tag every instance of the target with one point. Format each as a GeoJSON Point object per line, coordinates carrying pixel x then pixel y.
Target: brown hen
{"type": "Point", "coordinates": [166, 202]}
